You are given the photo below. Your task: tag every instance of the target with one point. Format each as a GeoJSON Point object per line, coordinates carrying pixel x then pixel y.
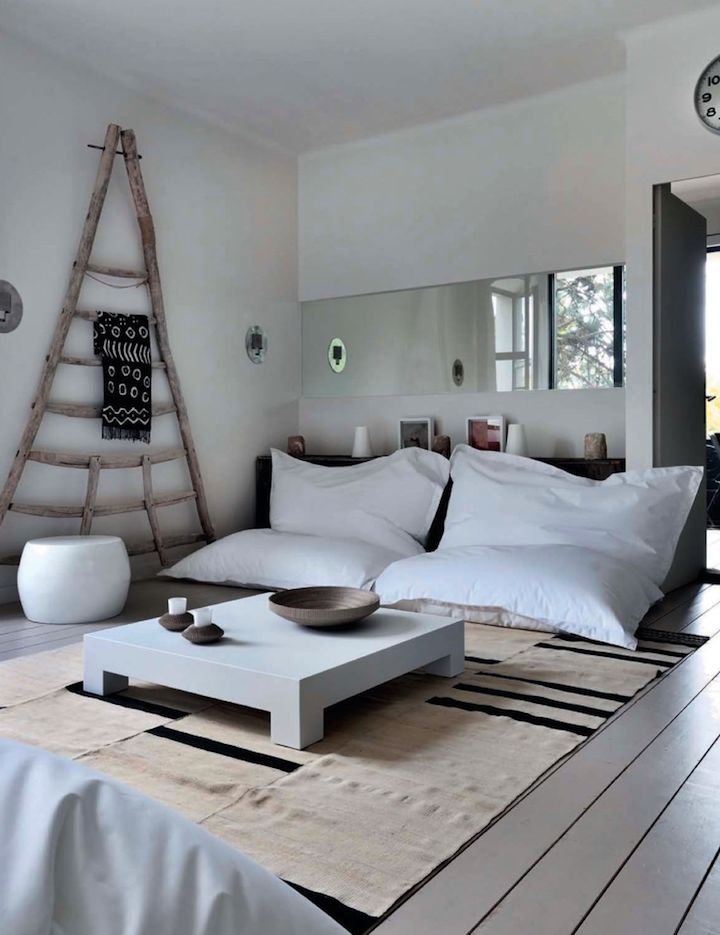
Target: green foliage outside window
{"type": "Point", "coordinates": [584, 328]}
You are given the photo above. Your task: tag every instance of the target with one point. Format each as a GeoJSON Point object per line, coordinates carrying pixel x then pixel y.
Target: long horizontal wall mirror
{"type": "Point", "coordinates": [539, 331]}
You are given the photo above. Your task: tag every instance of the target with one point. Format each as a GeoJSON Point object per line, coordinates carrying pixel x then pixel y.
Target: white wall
{"type": "Point", "coordinates": [532, 186]}
{"type": "Point", "coordinates": [225, 213]}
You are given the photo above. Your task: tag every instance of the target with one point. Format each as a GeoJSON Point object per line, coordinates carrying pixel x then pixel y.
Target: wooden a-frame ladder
{"type": "Point", "coordinates": [41, 404]}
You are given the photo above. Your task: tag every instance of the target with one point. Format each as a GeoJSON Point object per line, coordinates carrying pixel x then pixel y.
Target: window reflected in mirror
{"type": "Point", "coordinates": [561, 330]}
{"type": "Point", "coordinates": [588, 316]}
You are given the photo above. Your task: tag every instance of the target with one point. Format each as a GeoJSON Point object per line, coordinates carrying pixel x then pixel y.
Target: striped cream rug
{"type": "Point", "coordinates": [405, 776]}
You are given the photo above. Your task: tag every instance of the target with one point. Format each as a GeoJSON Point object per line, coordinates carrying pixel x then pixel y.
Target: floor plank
{"type": "Point", "coordinates": [672, 600]}
{"type": "Point", "coordinates": [681, 618]}
{"type": "Point", "coordinates": [671, 862]}
{"type": "Point", "coordinates": [39, 648]}
{"type": "Point", "coordinates": [703, 916]}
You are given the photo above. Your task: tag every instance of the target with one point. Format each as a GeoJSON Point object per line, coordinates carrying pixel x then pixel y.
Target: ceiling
{"type": "Point", "coordinates": [304, 74]}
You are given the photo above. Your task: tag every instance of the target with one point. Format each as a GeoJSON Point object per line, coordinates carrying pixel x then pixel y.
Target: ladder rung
{"type": "Point", "coordinates": [97, 362]}
{"type": "Point", "coordinates": [115, 272]}
{"type": "Point", "coordinates": [72, 460]}
{"type": "Point", "coordinates": [91, 314]}
{"type": "Point", "coordinates": [109, 509]}
{"type": "Point", "coordinates": [45, 509]}
{"type": "Point", "coordinates": [138, 506]}
{"type": "Point", "coordinates": [81, 411]}
{"type": "Point", "coordinates": [169, 542]}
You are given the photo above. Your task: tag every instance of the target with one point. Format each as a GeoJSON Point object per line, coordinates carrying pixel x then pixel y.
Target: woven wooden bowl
{"type": "Point", "coordinates": [324, 607]}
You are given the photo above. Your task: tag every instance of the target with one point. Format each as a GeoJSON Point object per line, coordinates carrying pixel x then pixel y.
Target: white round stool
{"type": "Point", "coordinates": [73, 579]}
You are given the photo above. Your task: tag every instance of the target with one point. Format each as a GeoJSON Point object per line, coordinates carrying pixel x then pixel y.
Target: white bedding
{"type": "Point", "coordinates": [81, 854]}
{"type": "Point", "coordinates": [559, 588]}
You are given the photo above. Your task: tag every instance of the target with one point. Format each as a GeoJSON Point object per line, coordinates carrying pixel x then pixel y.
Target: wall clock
{"type": "Point", "coordinates": [707, 96]}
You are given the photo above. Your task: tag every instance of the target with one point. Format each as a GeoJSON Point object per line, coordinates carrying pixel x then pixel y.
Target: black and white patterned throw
{"type": "Point", "coordinates": [123, 344]}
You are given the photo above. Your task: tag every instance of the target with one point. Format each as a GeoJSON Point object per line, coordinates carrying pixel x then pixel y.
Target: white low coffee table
{"type": "Point", "coordinates": [269, 663]}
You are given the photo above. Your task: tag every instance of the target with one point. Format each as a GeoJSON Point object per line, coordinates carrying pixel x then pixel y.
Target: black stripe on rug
{"type": "Point", "coordinates": [573, 690]}
{"type": "Point", "coordinates": [481, 661]}
{"type": "Point", "coordinates": [580, 729]}
{"type": "Point", "coordinates": [535, 699]}
{"type": "Point", "coordinates": [606, 655]}
{"type": "Point", "coordinates": [662, 652]}
{"type": "Point", "coordinates": [127, 701]}
{"type": "Point", "coordinates": [667, 636]}
{"type": "Point", "coordinates": [353, 920]}
{"type": "Point", "coordinates": [568, 638]}
{"type": "Point", "coordinates": [225, 749]}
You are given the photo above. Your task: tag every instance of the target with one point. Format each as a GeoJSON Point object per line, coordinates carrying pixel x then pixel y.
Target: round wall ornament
{"type": "Point", "coordinates": [11, 307]}
{"type": "Point", "coordinates": [337, 355]}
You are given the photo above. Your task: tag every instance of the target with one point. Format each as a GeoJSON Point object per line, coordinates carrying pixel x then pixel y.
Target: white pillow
{"type": "Point", "coordinates": [559, 588]}
{"type": "Point", "coordinates": [637, 517]}
{"type": "Point", "coordinates": [389, 501]}
{"type": "Point", "coordinates": [264, 558]}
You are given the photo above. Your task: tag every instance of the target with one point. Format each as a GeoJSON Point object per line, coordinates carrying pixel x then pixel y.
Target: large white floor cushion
{"type": "Point", "coordinates": [558, 588]}
{"type": "Point", "coordinates": [389, 501]}
{"type": "Point", "coordinates": [264, 558]}
{"type": "Point", "coordinates": [636, 517]}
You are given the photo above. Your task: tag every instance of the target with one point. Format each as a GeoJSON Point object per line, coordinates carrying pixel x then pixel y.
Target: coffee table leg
{"type": "Point", "coordinates": [449, 666]}
{"type": "Point", "coordinates": [99, 682]}
{"type": "Point", "coordinates": [297, 725]}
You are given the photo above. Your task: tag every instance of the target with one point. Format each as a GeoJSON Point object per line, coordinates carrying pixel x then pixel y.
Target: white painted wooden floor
{"type": "Point", "coordinates": [621, 838]}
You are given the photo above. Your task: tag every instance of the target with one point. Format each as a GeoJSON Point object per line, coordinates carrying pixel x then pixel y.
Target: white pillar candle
{"type": "Point", "coordinates": [177, 605]}
{"type": "Point", "coordinates": [361, 443]}
{"type": "Point", "coordinates": [202, 616]}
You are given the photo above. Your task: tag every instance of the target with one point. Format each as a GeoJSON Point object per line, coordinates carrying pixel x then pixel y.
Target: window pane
{"type": "Point", "coordinates": [584, 328]}
{"type": "Point", "coordinates": [520, 377]}
{"type": "Point", "coordinates": [504, 375]}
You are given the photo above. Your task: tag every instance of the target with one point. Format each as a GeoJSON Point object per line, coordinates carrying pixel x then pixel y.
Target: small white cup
{"type": "Point", "coordinates": [177, 605]}
{"type": "Point", "coordinates": [202, 616]}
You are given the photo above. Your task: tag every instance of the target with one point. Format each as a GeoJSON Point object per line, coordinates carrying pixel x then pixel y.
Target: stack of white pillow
{"type": "Point", "coordinates": [525, 544]}
{"type": "Point", "coordinates": [330, 526]}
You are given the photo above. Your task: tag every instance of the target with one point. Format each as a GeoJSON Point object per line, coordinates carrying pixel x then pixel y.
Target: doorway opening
{"type": "Point", "coordinates": [712, 403]}
{"type": "Point", "coordinates": [703, 195]}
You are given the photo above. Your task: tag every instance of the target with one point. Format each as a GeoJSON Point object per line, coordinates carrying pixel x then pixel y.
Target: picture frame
{"type": "Point", "coordinates": [415, 433]}
{"type": "Point", "coordinates": [486, 433]}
